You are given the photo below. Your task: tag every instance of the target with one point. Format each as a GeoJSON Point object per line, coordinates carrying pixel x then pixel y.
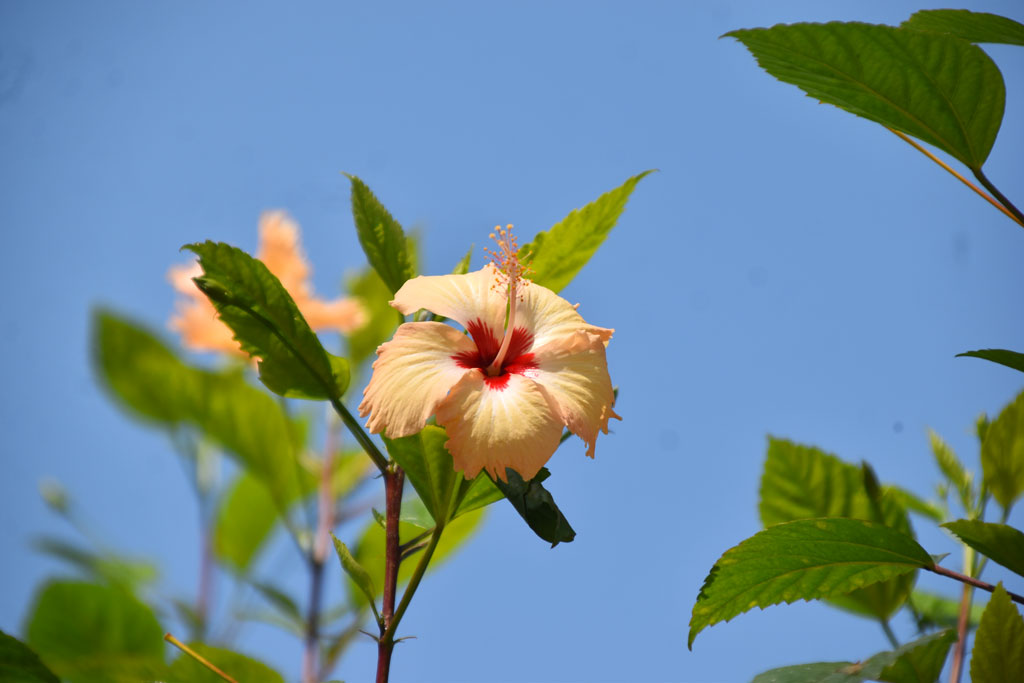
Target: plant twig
{"type": "Point", "coordinates": [414, 581]}
{"type": "Point", "coordinates": [361, 436]}
{"type": "Point", "coordinates": [394, 479]}
{"type": "Point", "coordinates": [198, 657]}
{"type": "Point", "coordinates": [913, 143]}
{"type": "Point", "coordinates": [1018, 216]}
{"type": "Point", "coordinates": [960, 649]}
{"type": "Point", "coordinates": [972, 582]}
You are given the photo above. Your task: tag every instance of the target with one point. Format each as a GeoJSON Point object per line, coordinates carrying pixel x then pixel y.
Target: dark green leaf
{"type": "Point", "coordinates": [976, 27]}
{"type": "Point", "coordinates": [428, 466]}
{"type": "Point", "coordinates": [1000, 543]}
{"type": "Point", "coordinates": [559, 253]}
{"type": "Point", "coordinates": [88, 632]}
{"type": "Point", "coordinates": [355, 571]}
{"type": "Point", "coordinates": [534, 504]}
{"type": "Point", "coordinates": [19, 664]}
{"type": "Point", "coordinates": [807, 559]}
{"type": "Point", "coordinates": [998, 654]}
{"type": "Point", "coordinates": [818, 672]}
{"type": "Point", "coordinates": [1010, 359]}
{"type": "Point", "coordinates": [1002, 454]}
{"type": "Point", "coordinates": [935, 87]}
{"type": "Point", "coordinates": [932, 609]}
{"type": "Point", "coordinates": [268, 325]}
{"type": "Point", "coordinates": [243, 669]}
{"type": "Point", "coordinates": [802, 482]}
{"type": "Point", "coordinates": [381, 236]}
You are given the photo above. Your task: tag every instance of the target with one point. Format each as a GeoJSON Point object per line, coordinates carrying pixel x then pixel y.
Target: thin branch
{"type": "Point", "coordinates": [198, 657]}
{"type": "Point", "coordinates": [361, 436]}
{"type": "Point", "coordinates": [972, 582]}
{"type": "Point", "coordinates": [913, 143]}
{"type": "Point", "coordinates": [1017, 215]}
{"type": "Point", "coordinates": [394, 479]}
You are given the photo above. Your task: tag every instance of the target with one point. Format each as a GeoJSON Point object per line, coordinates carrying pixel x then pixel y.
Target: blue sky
{"type": "Point", "coordinates": [791, 270]}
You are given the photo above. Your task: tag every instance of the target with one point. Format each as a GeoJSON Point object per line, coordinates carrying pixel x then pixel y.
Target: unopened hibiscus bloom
{"type": "Point", "coordinates": [196, 319]}
{"type": "Point", "coordinates": [503, 392]}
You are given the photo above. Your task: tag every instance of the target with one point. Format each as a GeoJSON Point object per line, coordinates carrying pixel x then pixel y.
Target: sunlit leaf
{"type": "Point", "coordinates": [267, 324]}
{"type": "Point", "coordinates": [355, 571]}
{"type": "Point", "coordinates": [89, 632]}
{"type": "Point", "coordinates": [1000, 543]}
{"type": "Point", "coordinates": [428, 467]}
{"type": "Point", "coordinates": [240, 667]}
{"type": "Point", "coordinates": [1010, 359]}
{"type": "Point", "coordinates": [954, 471]}
{"type": "Point", "coordinates": [557, 254]}
{"type": "Point", "coordinates": [933, 86]}
{"type": "Point", "coordinates": [998, 654]}
{"type": "Point", "coordinates": [279, 600]}
{"type": "Point", "coordinates": [1002, 454]}
{"type": "Point", "coordinates": [914, 503]}
{"type": "Point", "coordinates": [245, 520]}
{"type": "Point", "coordinates": [476, 493]}
{"type": "Point", "coordinates": [101, 567]}
{"type": "Point", "coordinates": [803, 560]}
{"type": "Point", "coordinates": [801, 482]}
{"type": "Point", "coordinates": [381, 319]}
{"type": "Point", "coordinates": [976, 27]}
{"type": "Point", "coordinates": [932, 609]}
{"type": "Point", "coordinates": [19, 664]}
{"type": "Point", "coordinates": [535, 504]}
{"type": "Point", "coordinates": [383, 240]}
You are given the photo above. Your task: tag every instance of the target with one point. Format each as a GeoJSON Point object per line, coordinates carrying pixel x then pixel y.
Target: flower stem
{"type": "Point", "coordinates": [198, 657]}
{"type": "Point", "coordinates": [983, 179]}
{"type": "Point", "coordinates": [361, 436]}
{"type": "Point", "coordinates": [394, 479]}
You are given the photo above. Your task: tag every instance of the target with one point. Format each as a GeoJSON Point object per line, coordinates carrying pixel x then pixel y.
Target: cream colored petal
{"type": "Point", "coordinates": [201, 329]}
{"type": "Point", "coordinates": [412, 373]}
{"type": "Point", "coordinates": [180, 277]}
{"type": "Point", "coordinates": [281, 253]}
{"type": "Point", "coordinates": [493, 428]}
{"type": "Point", "coordinates": [343, 315]}
{"type": "Point", "coordinates": [463, 298]}
{"type": "Point", "coordinates": [574, 372]}
{"type": "Point", "coordinates": [548, 316]}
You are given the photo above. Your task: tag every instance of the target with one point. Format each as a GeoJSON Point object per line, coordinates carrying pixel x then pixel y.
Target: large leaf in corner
{"type": "Point", "coordinates": [934, 86]}
{"type": "Point", "coordinates": [557, 254]}
{"type": "Point", "coordinates": [808, 559]}
{"type": "Point", "coordinates": [87, 632]}
{"type": "Point", "coordinates": [268, 325]}
{"type": "Point", "coordinates": [1000, 543]}
{"type": "Point", "coordinates": [998, 654]}
{"type": "Point", "coordinates": [801, 482]}
{"type": "Point", "coordinates": [975, 27]}
{"type": "Point", "coordinates": [19, 664]}
{"type": "Point", "coordinates": [383, 240]}
{"type": "Point", "coordinates": [1010, 359]}
{"type": "Point", "coordinates": [535, 505]}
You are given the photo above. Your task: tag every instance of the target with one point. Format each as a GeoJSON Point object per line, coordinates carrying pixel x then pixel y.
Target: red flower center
{"type": "Point", "coordinates": [517, 361]}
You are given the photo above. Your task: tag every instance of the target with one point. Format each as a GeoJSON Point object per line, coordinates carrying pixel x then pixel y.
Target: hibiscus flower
{"type": "Point", "coordinates": [196, 318]}
{"type": "Point", "coordinates": [529, 366]}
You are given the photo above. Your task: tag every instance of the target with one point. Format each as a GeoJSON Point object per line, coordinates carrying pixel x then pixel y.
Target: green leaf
{"type": "Point", "coordinates": [802, 482]}
{"type": "Point", "coordinates": [917, 662]}
{"type": "Point", "coordinates": [88, 632]}
{"type": "Point", "coordinates": [428, 466]}
{"type": "Point", "coordinates": [19, 664]}
{"type": "Point", "coordinates": [356, 572]}
{"type": "Point", "coordinates": [935, 87]}
{"type": "Point", "coordinates": [369, 551]}
{"type": "Point", "coordinates": [1002, 454]}
{"type": "Point", "coordinates": [534, 504]}
{"type": "Point", "coordinates": [243, 669]}
{"type": "Point", "coordinates": [268, 325]}
{"type": "Point", "coordinates": [101, 567]}
{"type": "Point", "coordinates": [559, 253]}
{"type": "Point", "coordinates": [914, 503]}
{"type": "Point", "coordinates": [281, 601]}
{"type": "Point", "coordinates": [383, 240]}
{"type": "Point", "coordinates": [1000, 543]}
{"type": "Point", "coordinates": [462, 267]}
{"type": "Point", "coordinates": [998, 654]}
{"type": "Point", "coordinates": [1010, 359]}
{"type": "Point", "coordinates": [475, 493]}
{"type": "Point", "coordinates": [954, 471]}
{"type": "Point", "coordinates": [807, 559]}
{"type": "Point", "coordinates": [932, 609]}
{"type": "Point", "coordinates": [975, 27]}
{"type": "Point", "coordinates": [245, 519]}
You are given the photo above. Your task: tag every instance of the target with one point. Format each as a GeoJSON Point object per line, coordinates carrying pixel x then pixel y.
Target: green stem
{"type": "Point", "coordinates": [361, 436]}
{"type": "Point", "coordinates": [998, 195]}
{"type": "Point", "coordinates": [888, 633]}
{"type": "Point", "coordinates": [414, 583]}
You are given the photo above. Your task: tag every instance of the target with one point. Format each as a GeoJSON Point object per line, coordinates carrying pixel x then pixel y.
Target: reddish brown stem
{"type": "Point", "coordinates": [394, 479]}
{"type": "Point", "coordinates": [977, 583]}
{"type": "Point", "coordinates": [961, 630]}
